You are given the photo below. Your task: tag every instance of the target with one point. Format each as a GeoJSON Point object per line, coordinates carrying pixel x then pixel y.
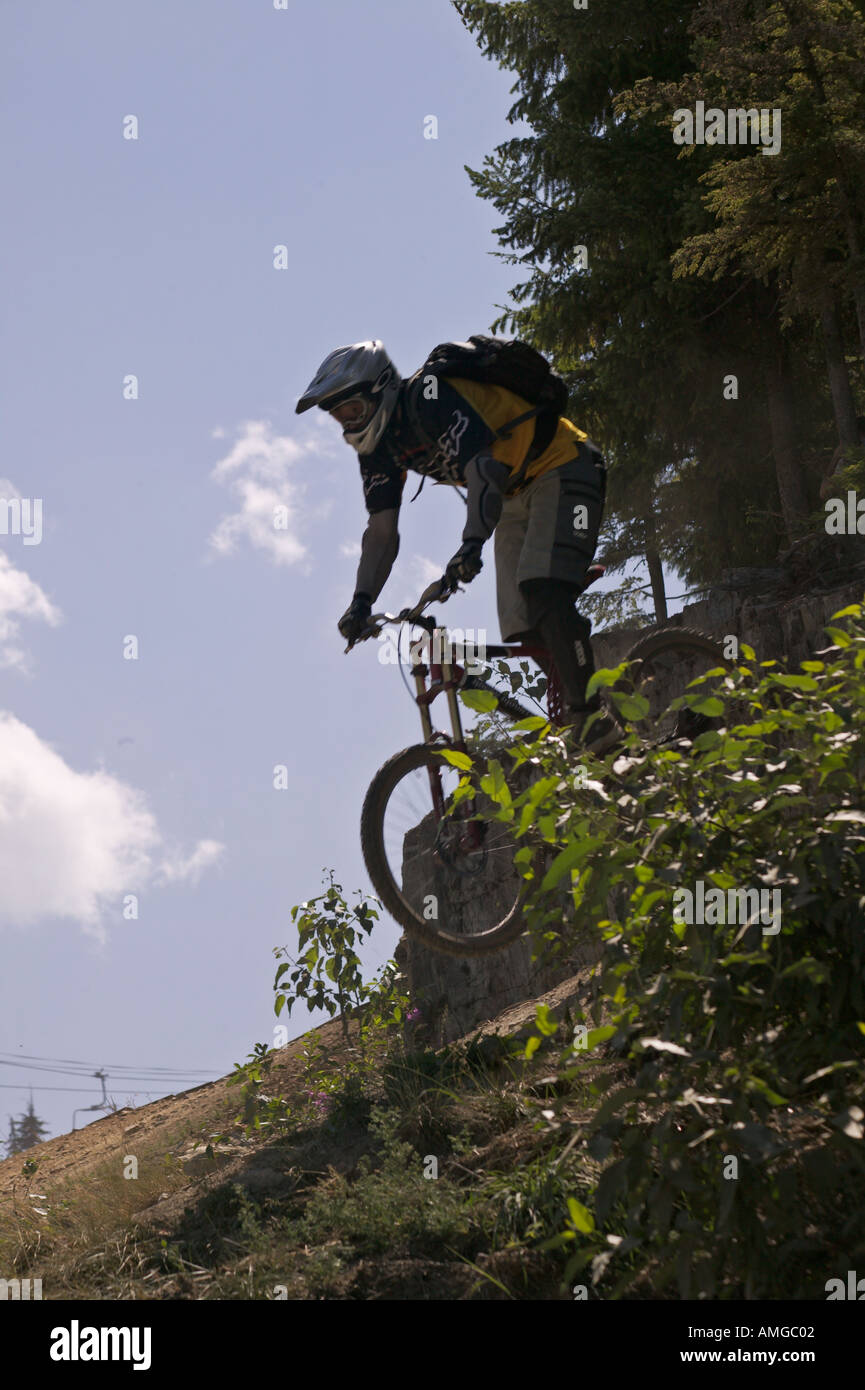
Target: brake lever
{"type": "Point", "coordinates": [373, 628]}
{"type": "Point", "coordinates": [437, 592]}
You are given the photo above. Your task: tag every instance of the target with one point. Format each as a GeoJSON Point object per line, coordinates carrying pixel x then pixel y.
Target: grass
{"type": "Point", "coordinates": [422, 1180]}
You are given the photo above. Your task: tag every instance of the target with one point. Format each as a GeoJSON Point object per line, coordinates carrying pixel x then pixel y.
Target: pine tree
{"type": "Point", "coordinates": [27, 1131]}
{"type": "Point", "coordinates": [11, 1144]}
{"type": "Point", "coordinates": [667, 309]}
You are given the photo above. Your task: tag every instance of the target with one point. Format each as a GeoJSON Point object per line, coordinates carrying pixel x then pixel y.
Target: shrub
{"type": "Point", "coordinates": [733, 1155]}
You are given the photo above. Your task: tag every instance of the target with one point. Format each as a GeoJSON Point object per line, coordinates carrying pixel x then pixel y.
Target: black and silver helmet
{"type": "Point", "coordinates": [359, 369]}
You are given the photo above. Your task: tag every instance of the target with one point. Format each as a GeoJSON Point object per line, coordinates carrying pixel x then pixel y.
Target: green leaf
{"type": "Point", "coordinates": [796, 682]}
{"type": "Point", "coordinates": [710, 738]}
{"type": "Point", "coordinates": [534, 721]}
{"type": "Point", "coordinates": [608, 675]}
{"type": "Point", "coordinates": [839, 637]}
{"type": "Point", "coordinates": [531, 1047]}
{"type": "Point", "coordinates": [482, 701]}
{"type": "Point", "coordinates": [630, 706]}
{"type": "Point", "coordinates": [756, 1083]}
{"type": "Point", "coordinates": [581, 1216]}
{"type": "Point", "coordinates": [544, 1021]}
{"type": "Point", "coordinates": [708, 705]}
{"type": "Point", "coordinates": [598, 1035]}
{"type": "Point", "coordinates": [494, 784]}
{"type": "Point", "coordinates": [460, 760]}
{"type": "Point", "coordinates": [853, 610]}
{"type": "Point", "coordinates": [564, 861]}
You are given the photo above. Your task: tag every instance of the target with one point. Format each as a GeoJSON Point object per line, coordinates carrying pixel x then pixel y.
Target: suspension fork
{"type": "Point", "coordinates": [444, 675]}
{"type": "Point", "coordinates": [421, 672]}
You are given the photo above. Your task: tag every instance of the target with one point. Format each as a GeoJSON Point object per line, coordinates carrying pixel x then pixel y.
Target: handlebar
{"type": "Point", "coordinates": [437, 592]}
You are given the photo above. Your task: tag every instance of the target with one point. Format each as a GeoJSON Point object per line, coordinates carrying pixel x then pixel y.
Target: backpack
{"type": "Point", "coordinates": [503, 362]}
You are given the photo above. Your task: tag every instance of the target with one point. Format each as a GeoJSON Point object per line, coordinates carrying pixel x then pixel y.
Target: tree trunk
{"type": "Point", "coordinates": [836, 364]}
{"type": "Point", "coordinates": [656, 576]}
{"type": "Point", "coordinates": [847, 185]}
{"type": "Point", "coordinates": [782, 422]}
{"type": "Point", "coordinates": [854, 242]}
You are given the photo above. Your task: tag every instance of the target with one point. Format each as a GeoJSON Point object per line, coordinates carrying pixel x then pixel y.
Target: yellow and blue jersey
{"type": "Point", "coordinates": [461, 421]}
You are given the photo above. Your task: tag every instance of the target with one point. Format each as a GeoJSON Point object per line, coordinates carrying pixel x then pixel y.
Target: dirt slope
{"type": "Point", "coordinates": [85, 1230]}
{"type": "Point", "coordinates": [169, 1123]}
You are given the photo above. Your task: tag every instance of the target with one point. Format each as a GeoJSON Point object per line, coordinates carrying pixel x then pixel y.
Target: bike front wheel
{"type": "Point", "coordinates": [446, 874]}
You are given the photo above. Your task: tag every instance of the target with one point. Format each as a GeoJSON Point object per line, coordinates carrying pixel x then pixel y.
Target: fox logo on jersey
{"type": "Point", "coordinates": [448, 445]}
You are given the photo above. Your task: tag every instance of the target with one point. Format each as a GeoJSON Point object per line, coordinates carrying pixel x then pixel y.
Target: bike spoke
{"type": "Point", "coordinates": [438, 869]}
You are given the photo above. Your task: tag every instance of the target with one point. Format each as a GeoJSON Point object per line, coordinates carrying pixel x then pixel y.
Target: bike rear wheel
{"type": "Point", "coordinates": [448, 879]}
{"type": "Point", "coordinates": [662, 666]}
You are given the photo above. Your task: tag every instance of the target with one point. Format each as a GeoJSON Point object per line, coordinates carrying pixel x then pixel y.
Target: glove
{"type": "Point", "coordinates": [466, 564]}
{"type": "Point", "coordinates": [355, 617]}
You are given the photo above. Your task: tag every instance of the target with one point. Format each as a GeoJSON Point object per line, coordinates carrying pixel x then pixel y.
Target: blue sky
{"type": "Point", "coordinates": [154, 257]}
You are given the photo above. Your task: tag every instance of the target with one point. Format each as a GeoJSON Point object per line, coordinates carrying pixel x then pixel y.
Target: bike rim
{"type": "Point", "coordinates": [455, 873]}
{"type": "Point", "coordinates": [661, 675]}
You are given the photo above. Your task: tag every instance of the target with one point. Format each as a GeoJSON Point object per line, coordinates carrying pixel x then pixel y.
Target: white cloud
{"type": "Point", "coordinates": [20, 598]}
{"type": "Point", "coordinates": [416, 576]}
{"type": "Point", "coordinates": [324, 435]}
{"type": "Point", "coordinates": [177, 868]}
{"type": "Point", "coordinates": [73, 844]}
{"type": "Point", "coordinates": [350, 548]}
{"type": "Point", "coordinates": [272, 512]}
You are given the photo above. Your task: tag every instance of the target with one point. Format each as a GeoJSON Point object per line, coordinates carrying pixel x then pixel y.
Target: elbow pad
{"type": "Point", "coordinates": [486, 480]}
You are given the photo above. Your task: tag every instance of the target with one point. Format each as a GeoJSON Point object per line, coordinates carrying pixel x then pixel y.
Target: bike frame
{"type": "Point", "coordinates": [448, 676]}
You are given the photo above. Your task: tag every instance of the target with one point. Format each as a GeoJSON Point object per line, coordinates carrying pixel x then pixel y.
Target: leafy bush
{"type": "Point", "coordinates": [393, 1209]}
{"type": "Point", "coordinates": [327, 972]}
{"type": "Point", "coordinates": [733, 1153]}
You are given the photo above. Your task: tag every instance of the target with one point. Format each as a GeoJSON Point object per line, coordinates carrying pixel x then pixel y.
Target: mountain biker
{"type": "Point", "coordinates": [545, 510]}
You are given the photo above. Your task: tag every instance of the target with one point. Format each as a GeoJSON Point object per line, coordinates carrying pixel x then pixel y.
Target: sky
{"type": "Point", "coordinates": [162, 648]}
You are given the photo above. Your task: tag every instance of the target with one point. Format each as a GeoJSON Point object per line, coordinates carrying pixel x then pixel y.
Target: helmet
{"type": "Point", "coordinates": [360, 369]}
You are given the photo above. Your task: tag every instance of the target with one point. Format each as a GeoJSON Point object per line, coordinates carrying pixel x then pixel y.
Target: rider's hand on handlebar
{"type": "Point", "coordinates": [465, 565]}
{"type": "Point", "coordinates": [355, 618]}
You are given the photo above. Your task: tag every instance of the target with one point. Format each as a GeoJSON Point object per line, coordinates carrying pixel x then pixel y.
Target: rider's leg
{"type": "Point", "coordinates": [565, 633]}
{"type": "Point", "coordinates": [545, 542]}
{"type": "Point", "coordinates": [509, 538]}
{"type": "Point", "coordinates": [565, 509]}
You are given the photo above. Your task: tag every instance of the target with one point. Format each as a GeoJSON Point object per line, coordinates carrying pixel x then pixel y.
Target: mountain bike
{"type": "Point", "coordinates": [442, 868]}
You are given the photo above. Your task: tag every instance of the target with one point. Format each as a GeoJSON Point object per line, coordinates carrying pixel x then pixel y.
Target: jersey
{"type": "Point", "coordinates": [462, 421]}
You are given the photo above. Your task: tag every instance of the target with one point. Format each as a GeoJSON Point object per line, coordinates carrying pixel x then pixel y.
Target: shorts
{"type": "Point", "coordinates": [541, 534]}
